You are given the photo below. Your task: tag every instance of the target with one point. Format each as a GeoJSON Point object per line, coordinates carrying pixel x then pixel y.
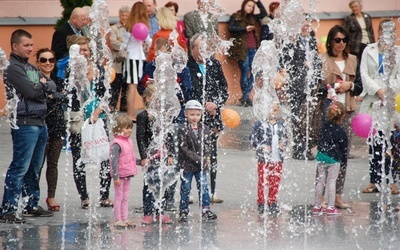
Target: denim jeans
{"type": "Point", "coordinates": [29, 143]}
{"type": "Point", "coordinates": [186, 183]}
{"type": "Point", "coordinates": [246, 79]}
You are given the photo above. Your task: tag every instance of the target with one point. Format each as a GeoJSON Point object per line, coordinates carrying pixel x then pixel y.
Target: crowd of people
{"type": "Point", "coordinates": [51, 108]}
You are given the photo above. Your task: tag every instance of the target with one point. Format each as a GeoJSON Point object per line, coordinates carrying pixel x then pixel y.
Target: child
{"type": "Point", "coordinates": [194, 158]}
{"type": "Point", "coordinates": [123, 167]}
{"type": "Point", "coordinates": [269, 140]}
{"type": "Point", "coordinates": [144, 136]}
{"type": "Point", "coordinates": [332, 152]}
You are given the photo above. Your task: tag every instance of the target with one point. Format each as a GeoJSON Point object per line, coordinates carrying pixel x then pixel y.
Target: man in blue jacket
{"type": "Point", "coordinates": [25, 83]}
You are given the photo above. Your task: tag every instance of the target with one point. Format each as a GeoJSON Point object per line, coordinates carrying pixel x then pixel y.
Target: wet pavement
{"type": "Point", "coordinates": [370, 224]}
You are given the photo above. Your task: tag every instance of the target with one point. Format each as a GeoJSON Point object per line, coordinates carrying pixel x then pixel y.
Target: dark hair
{"type": "Point", "coordinates": [17, 34]}
{"type": "Point", "coordinates": [43, 50]}
{"type": "Point", "coordinates": [329, 41]}
{"type": "Point", "coordinates": [172, 4]}
{"type": "Point", "coordinates": [242, 12]}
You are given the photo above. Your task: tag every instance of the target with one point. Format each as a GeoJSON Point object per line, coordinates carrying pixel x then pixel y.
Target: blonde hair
{"type": "Point", "coordinates": [166, 19]}
{"type": "Point", "coordinates": [138, 14]}
{"type": "Point", "coordinates": [121, 121]}
{"type": "Point", "coordinates": [147, 94]}
{"type": "Point", "coordinates": [335, 112]}
{"type": "Point", "coordinates": [75, 39]}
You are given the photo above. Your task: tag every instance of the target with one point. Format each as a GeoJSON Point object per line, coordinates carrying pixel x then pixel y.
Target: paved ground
{"type": "Point", "coordinates": [369, 225]}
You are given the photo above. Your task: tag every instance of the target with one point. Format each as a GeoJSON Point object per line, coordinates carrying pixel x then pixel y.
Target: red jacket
{"type": "Point", "coordinates": [164, 34]}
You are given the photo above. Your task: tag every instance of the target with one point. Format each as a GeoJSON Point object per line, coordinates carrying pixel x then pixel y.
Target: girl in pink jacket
{"type": "Point", "coordinates": [123, 167]}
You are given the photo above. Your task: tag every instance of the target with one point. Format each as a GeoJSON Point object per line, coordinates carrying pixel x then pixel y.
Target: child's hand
{"type": "Point", "coordinates": [282, 145]}
{"type": "Point", "coordinates": [117, 182]}
{"type": "Point", "coordinates": [208, 161]}
{"type": "Point", "coordinates": [143, 162]}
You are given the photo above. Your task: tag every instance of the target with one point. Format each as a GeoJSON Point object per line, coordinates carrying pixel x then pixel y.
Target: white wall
{"type": "Point", "coordinates": [52, 8]}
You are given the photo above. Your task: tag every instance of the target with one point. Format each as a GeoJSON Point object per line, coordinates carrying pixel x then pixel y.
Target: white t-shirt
{"type": "Point", "coordinates": [341, 96]}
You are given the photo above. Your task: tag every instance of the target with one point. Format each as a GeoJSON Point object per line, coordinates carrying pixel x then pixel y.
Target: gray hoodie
{"type": "Point", "coordinates": [24, 78]}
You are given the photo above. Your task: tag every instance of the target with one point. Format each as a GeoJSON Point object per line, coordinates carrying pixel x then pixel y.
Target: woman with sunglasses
{"type": "Point", "coordinates": [342, 72]}
{"type": "Point", "coordinates": [45, 61]}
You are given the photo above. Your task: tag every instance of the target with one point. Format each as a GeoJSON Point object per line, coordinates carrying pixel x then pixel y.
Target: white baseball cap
{"type": "Point", "coordinates": [193, 104]}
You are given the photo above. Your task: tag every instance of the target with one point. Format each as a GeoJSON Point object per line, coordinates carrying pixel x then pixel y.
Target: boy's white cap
{"type": "Point", "coordinates": [193, 104]}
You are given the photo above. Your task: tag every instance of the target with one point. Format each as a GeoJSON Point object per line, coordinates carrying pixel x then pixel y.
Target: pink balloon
{"type": "Point", "coordinates": [361, 125]}
{"type": "Point", "coordinates": [140, 31]}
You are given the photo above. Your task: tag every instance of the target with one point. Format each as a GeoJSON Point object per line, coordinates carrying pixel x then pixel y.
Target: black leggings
{"type": "Point", "coordinates": [80, 173]}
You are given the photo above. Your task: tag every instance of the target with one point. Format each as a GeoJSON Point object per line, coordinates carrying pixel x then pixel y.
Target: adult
{"type": "Point", "coordinates": [342, 71]}
{"type": "Point", "coordinates": [73, 26]}
{"type": "Point", "coordinates": [118, 86]}
{"type": "Point", "coordinates": [372, 70]}
{"type": "Point", "coordinates": [359, 26]}
{"type": "Point", "coordinates": [180, 25]}
{"type": "Point", "coordinates": [167, 23]}
{"type": "Point", "coordinates": [242, 26]}
{"type": "Point", "coordinates": [29, 139]}
{"type": "Point", "coordinates": [93, 111]}
{"type": "Point", "coordinates": [212, 98]}
{"type": "Point", "coordinates": [136, 59]}
{"type": "Point", "coordinates": [199, 21]}
{"type": "Point", "coordinates": [298, 64]}
{"type": "Point", "coordinates": [45, 61]}
{"type": "Point", "coordinates": [151, 6]}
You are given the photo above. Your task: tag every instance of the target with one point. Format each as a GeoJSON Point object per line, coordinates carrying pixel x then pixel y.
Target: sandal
{"type": "Point", "coordinates": [371, 188]}
{"type": "Point", "coordinates": [85, 204]}
{"type": "Point", "coordinates": [106, 203]}
{"type": "Point", "coordinates": [120, 224]}
{"type": "Point", "coordinates": [53, 208]}
{"type": "Point", "coordinates": [130, 224]}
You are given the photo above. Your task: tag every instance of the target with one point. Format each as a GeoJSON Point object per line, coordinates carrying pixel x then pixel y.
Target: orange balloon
{"type": "Point", "coordinates": [230, 117]}
{"type": "Point", "coordinates": [112, 75]}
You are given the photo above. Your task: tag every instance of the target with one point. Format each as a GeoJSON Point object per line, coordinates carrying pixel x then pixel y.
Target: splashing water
{"type": "Point", "coordinates": [101, 53]}
{"type": "Point", "coordinates": [264, 88]}
{"type": "Point", "coordinates": [12, 97]}
{"type": "Point", "coordinates": [383, 115]}
{"type": "Point", "coordinates": [164, 107]}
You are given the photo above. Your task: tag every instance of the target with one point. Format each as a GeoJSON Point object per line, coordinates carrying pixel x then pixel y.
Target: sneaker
{"type": "Point", "coordinates": [318, 210]}
{"type": "Point", "coordinates": [183, 217]}
{"type": "Point", "coordinates": [333, 211]}
{"type": "Point", "coordinates": [274, 208]}
{"type": "Point", "coordinates": [208, 215]}
{"type": "Point", "coordinates": [12, 218]}
{"type": "Point", "coordinates": [147, 220]}
{"type": "Point", "coordinates": [165, 219]}
{"type": "Point", "coordinates": [260, 209]}
{"type": "Point", "coordinates": [37, 212]}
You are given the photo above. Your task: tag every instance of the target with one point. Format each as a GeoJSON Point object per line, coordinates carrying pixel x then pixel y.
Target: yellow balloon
{"type": "Point", "coordinates": [397, 102]}
{"type": "Point", "coordinates": [230, 117]}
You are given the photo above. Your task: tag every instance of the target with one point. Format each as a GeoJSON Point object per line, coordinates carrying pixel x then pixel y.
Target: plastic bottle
{"type": "Point", "coordinates": [332, 92]}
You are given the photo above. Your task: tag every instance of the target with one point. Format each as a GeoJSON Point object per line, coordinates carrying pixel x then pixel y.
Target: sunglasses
{"type": "Point", "coordinates": [44, 60]}
{"type": "Point", "coordinates": [338, 40]}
